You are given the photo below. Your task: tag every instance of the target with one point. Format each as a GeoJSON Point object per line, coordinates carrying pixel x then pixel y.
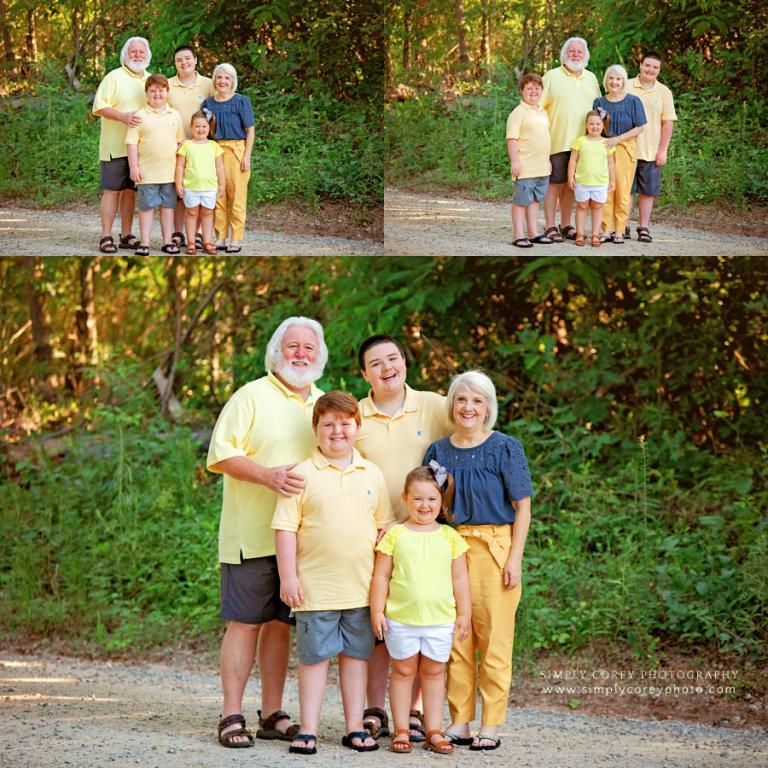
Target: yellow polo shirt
{"type": "Point", "coordinates": [272, 426]}
{"type": "Point", "coordinates": [158, 138]}
{"type": "Point", "coordinates": [188, 99]}
{"type": "Point", "coordinates": [659, 106]}
{"type": "Point", "coordinates": [567, 97]}
{"type": "Point", "coordinates": [123, 90]}
{"type": "Point", "coordinates": [397, 444]}
{"type": "Point", "coordinates": [530, 126]}
{"type": "Point", "coordinates": [336, 518]}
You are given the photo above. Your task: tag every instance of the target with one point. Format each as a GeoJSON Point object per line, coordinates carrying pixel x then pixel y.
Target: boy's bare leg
{"type": "Point", "coordinates": [312, 681]}
{"type": "Point", "coordinates": [145, 226]}
{"type": "Point", "coordinates": [166, 224]}
{"type": "Point", "coordinates": [238, 652]}
{"type": "Point", "coordinates": [353, 678]}
{"type": "Point", "coordinates": [518, 220]}
{"type": "Point", "coordinates": [532, 218]}
{"type": "Point", "coordinates": [432, 675]}
{"type": "Point", "coordinates": [108, 210]}
{"type": "Point", "coordinates": [127, 209]}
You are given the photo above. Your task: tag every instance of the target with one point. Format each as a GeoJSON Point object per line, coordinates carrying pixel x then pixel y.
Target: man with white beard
{"type": "Point", "coordinates": [264, 430]}
{"type": "Point", "coordinates": [569, 91]}
{"type": "Point", "coordinates": [120, 94]}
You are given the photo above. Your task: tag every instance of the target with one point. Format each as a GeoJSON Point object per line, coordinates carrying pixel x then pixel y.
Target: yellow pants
{"type": "Point", "coordinates": [230, 209]}
{"type": "Point", "coordinates": [616, 208]}
{"type": "Point", "coordinates": [493, 630]}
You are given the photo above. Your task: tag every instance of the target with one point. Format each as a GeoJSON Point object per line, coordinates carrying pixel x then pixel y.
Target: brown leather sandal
{"type": "Point", "coordinates": [268, 727]}
{"type": "Point", "coordinates": [376, 722]}
{"type": "Point", "coordinates": [228, 739]}
{"type": "Point", "coordinates": [579, 240]}
{"type": "Point", "coordinates": [444, 746]}
{"type": "Point", "coordinates": [596, 241]}
{"type": "Point", "coordinates": [400, 745]}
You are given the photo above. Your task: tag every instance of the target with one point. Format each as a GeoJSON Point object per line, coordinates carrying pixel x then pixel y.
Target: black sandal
{"type": "Point", "coordinates": [476, 746]}
{"type": "Point", "coordinates": [268, 727]}
{"type": "Point", "coordinates": [522, 242]}
{"type": "Point", "coordinates": [418, 736]}
{"type": "Point", "coordinates": [171, 248]}
{"type": "Point", "coordinates": [568, 232]}
{"type": "Point", "coordinates": [459, 741]}
{"type": "Point", "coordinates": [346, 741]}
{"type": "Point", "coordinates": [141, 250]}
{"type": "Point", "coordinates": [107, 244]}
{"type": "Point", "coordinates": [643, 235]}
{"type": "Point", "coordinates": [541, 239]}
{"type": "Point", "coordinates": [376, 729]}
{"type": "Point", "coordinates": [179, 239]}
{"type": "Point", "coordinates": [129, 242]}
{"type": "Point", "coordinates": [226, 739]}
{"type": "Point", "coordinates": [305, 750]}
{"type": "Point", "coordinates": [553, 235]}
{"type": "Point", "coordinates": [199, 242]}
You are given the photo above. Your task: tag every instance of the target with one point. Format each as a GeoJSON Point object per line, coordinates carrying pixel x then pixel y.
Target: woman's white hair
{"type": "Point", "coordinates": [275, 346]}
{"type": "Point", "coordinates": [227, 69]}
{"type": "Point", "coordinates": [478, 382]}
{"type": "Point", "coordinates": [124, 52]}
{"type": "Point", "coordinates": [564, 50]}
{"type": "Point", "coordinates": [615, 69]}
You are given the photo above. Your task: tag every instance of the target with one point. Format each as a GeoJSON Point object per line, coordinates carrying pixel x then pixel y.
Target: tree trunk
{"type": "Point", "coordinates": [30, 45]}
{"type": "Point", "coordinates": [9, 56]}
{"type": "Point", "coordinates": [407, 24]}
{"type": "Point", "coordinates": [464, 63]}
{"type": "Point", "coordinates": [177, 294]}
{"type": "Point", "coordinates": [86, 331]}
{"type": "Point", "coordinates": [485, 38]}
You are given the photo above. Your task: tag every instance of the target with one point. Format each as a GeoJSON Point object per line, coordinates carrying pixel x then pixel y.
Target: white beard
{"type": "Point", "coordinates": [135, 67]}
{"type": "Point", "coordinates": [575, 66]}
{"type": "Point", "coordinates": [298, 378]}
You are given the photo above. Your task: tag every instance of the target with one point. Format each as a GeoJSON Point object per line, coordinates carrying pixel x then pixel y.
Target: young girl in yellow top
{"type": "Point", "coordinates": [592, 173]}
{"type": "Point", "coordinates": [200, 179]}
{"type": "Point", "coordinates": [419, 600]}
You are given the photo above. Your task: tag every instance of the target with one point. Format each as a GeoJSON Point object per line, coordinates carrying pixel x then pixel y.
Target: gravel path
{"type": "Point", "coordinates": [28, 232]}
{"type": "Point", "coordinates": [65, 712]}
{"type": "Point", "coordinates": [431, 225]}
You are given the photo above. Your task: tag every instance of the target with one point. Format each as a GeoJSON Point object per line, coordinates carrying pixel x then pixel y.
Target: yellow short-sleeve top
{"type": "Point", "coordinates": [188, 99]}
{"type": "Point", "coordinates": [157, 138]}
{"type": "Point", "coordinates": [567, 97]}
{"type": "Point", "coordinates": [200, 164]}
{"type": "Point", "coordinates": [592, 167]}
{"type": "Point", "coordinates": [335, 518]}
{"type": "Point", "coordinates": [659, 106]}
{"type": "Point", "coordinates": [397, 444]}
{"type": "Point", "coordinates": [421, 586]}
{"type": "Point", "coordinates": [123, 90]}
{"type": "Point", "coordinates": [529, 125]}
{"type": "Point", "coordinates": [267, 423]}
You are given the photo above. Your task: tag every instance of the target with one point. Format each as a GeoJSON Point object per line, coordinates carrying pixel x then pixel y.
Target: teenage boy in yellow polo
{"type": "Point", "coordinates": [325, 538]}
{"type": "Point", "coordinates": [528, 145]}
{"type": "Point", "coordinates": [152, 149]}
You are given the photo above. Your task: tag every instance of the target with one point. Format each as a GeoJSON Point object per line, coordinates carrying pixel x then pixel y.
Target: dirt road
{"type": "Point", "coordinates": [57, 712]}
{"type": "Point", "coordinates": [433, 225]}
{"type": "Point", "coordinates": [28, 232]}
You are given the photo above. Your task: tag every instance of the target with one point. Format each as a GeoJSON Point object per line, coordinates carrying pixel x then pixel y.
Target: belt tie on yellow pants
{"type": "Point", "coordinates": [492, 633]}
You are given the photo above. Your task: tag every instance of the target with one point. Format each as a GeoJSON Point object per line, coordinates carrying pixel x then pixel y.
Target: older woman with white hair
{"type": "Point", "coordinates": [235, 127]}
{"type": "Point", "coordinates": [492, 512]}
{"type": "Point", "coordinates": [627, 123]}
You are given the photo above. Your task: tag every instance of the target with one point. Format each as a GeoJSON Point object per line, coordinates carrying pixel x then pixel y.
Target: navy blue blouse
{"type": "Point", "coordinates": [625, 114]}
{"type": "Point", "coordinates": [233, 116]}
{"type": "Point", "coordinates": [488, 478]}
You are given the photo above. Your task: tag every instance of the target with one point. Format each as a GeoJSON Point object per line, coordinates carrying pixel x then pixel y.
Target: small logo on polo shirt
{"type": "Point", "coordinates": [369, 491]}
{"type": "Point", "coordinates": [418, 432]}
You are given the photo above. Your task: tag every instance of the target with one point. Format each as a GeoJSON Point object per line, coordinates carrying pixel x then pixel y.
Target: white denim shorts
{"type": "Point", "coordinates": [406, 640]}
{"type": "Point", "coordinates": [195, 197]}
{"type": "Point", "coordinates": [599, 194]}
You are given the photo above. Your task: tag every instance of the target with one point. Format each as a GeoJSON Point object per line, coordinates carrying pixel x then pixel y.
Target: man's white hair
{"type": "Point", "coordinates": [274, 354]}
{"type": "Point", "coordinates": [564, 50]}
{"type": "Point", "coordinates": [615, 69]}
{"type": "Point", "coordinates": [124, 52]}
{"type": "Point", "coordinates": [227, 69]}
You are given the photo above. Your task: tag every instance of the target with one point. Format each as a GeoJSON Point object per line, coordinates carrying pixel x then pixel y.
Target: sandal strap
{"type": "Point", "coordinates": [362, 735]}
{"type": "Point", "coordinates": [305, 737]}
{"type": "Point", "coordinates": [376, 712]}
{"type": "Point", "coordinates": [225, 722]}
{"type": "Point", "coordinates": [268, 723]}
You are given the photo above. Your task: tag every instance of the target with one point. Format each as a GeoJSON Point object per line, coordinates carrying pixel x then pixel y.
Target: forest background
{"type": "Point", "coordinates": [313, 72]}
{"type": "Point", "coordinates": [452, 68]}
{"type": "Point", "coordinates": [637, 386]}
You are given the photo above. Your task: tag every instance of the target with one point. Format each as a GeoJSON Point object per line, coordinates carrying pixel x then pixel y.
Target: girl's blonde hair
{"type": "Point", "coordinates": [227, 69]}
{"type": "Point", "coordinates": [603, 115]}
{"type": "Point", "coordinates": [428, 475]}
